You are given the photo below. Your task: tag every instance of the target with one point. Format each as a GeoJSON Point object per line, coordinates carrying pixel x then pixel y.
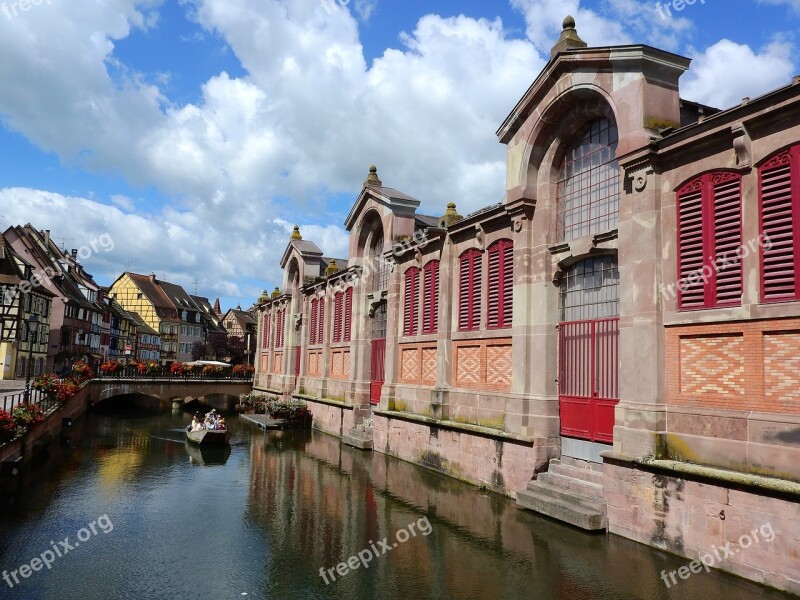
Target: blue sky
{"type": "Point", "coordinates": [197, 132]}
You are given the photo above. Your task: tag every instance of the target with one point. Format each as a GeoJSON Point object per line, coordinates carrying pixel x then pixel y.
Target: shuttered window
{"type": "Point", "coordinates": [501, 284]}
{"type": "Point", "coordinates": [321, 322]}
{"type": "Point", "coordinates": [312, 328]}
{"type": "Point", "coordinates": [469, 287]}
{"type": "Point", "coordinates": [411, 302]}
{"type": "Point", "coordinates": [709, 241]}
{"type": "Point", "coordinates": [279, 322]}
{"type": "Point", "coordinates": [779, 195]}
{"type": "Point", "coordinates": [430, 297]}
{"type": "Point", "coordinates": [348, 314]}
{"type": "Point", "coordinates": [338, 304]}
{"type": "Point", "coordinates": [265, 332]}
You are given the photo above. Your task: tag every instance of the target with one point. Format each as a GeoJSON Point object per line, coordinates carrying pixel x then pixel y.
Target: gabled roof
{"type": "Point", "coordinates": [243, 317]}
{"type": "Point", "coordinates": [141, 326]}
{"type": "Point", "coordinates": [151, 288]}
{"type": "Point", "coordinates": [178, 296]}
{"type": "Point", "coordinates": [373, 189]}
{"type": "Point", "coordinates": [308, 250]}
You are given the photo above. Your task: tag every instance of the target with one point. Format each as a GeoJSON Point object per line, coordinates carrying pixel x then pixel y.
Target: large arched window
{"type": "Point", "coordinates": [590, 290]}
{"type": "Point", "coordinates": [588, 183]}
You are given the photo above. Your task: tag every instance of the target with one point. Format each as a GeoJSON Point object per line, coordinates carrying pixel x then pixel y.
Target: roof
{"type": "Point", "coordinates": [151, 288]}
{"type": "Point", "coordinates": [427, 220]}
{"type": "Point", "coordinates": [396, 200]}
{"type": "Point", "coordinates": [178, 296]}
{"type": "Point", "coordinates": [244, 317]}
{"type": "Point", "coordinates": [141, 326]}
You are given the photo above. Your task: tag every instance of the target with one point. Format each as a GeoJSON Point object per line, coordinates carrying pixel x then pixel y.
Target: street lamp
{"type": "Point", "coordinates": [33, 328]}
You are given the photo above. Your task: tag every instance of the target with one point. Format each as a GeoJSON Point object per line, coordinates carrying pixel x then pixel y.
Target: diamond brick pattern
{"type": "Point", "coordinates": [468, 365]}
{"type": "Point", "coordinates": [277, 362]}
{"type": "Point", "coordinates": [498, 365]}
{"type": "Point", "coordinates": [712, 365]}
{"type": "Point", "coordinates": [429, 365]}
{"type": "Point", "coordinates": [782, 368]}
{"type": "Point", "coordinates": [346, 364]}
{"type": "Point", "coordinates": [314, 360]}
{"type": "Point", "coordinates": [336, 364]}
{"type": "Point", "coordinates": [409, 364]}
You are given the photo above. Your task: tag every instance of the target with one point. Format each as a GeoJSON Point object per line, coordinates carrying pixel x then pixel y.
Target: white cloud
{"type": "Point", "coordinates": [727, 72]}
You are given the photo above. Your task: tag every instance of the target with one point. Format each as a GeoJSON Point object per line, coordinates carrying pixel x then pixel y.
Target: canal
{"type": "Point", "coordinates": [128, 510]}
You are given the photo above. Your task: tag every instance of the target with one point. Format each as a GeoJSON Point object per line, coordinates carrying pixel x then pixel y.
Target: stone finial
{"type": "Point", "coordinates": [296, 234]}
{"type": "Point", "coordinates": [263, 297]}
{"type": "Point", "coordinates": [331, 269]}
{"type": "Point", "coordinates": [276, 292]}
{"type": "Point", "coordinates": [569, 38]}
{"type": "Point", "coordinates": [450, 216]}
{"type": "Point", "coordinates": [372, 178]}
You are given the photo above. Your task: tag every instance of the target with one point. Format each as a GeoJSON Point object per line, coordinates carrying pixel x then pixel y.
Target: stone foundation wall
{"type": "Point", "coordinates": [503, 465]}
{"type": "Point", "coordinates": [335, 420]}
{"type": "Point", "coordinates": [698, 518]}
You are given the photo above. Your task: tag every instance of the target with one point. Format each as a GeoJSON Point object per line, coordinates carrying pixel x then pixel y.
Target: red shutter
{"type": "Point", "coordinates": [265, 332]}
{"type": "Point", "coordinates": [690, 245]}
{"type": "Point", "coordinates": [501, 284]}
{"type": "Point", "coordinates": [348, 314]}
{"type": "Point", "coordinates": [430, 300]}
{"type": "Point", "coordinates": [709, 241]}
{"type": "Point", "coordinates": [321, 322]}
{"type": "Point", "coordinates": [337, 317]}
{"type": "Point", "coordinates": [312, 330]}
{"type": "Point", "coordinates": [727, 277]}
{"type": "Point", "coordinates": [780, 226]}
{"type": "Point", "coordinates": [469, 298]}
{"type": "Point", "coordinates": [410, 303]}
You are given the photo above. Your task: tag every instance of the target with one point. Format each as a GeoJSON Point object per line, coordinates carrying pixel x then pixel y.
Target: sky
{"type": "Point", "coordinates": [193, 134]}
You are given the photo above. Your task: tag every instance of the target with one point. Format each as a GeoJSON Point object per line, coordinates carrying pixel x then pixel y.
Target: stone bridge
{"type": "Point", "coordinates": [221, 394]}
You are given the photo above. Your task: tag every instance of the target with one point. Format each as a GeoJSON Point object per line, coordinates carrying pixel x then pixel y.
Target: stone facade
{"type": "Point", "coordinates": [632, 301]}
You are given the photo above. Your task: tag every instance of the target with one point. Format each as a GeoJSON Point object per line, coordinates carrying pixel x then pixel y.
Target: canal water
{"type": "Point", "coordinates": [128, 510]}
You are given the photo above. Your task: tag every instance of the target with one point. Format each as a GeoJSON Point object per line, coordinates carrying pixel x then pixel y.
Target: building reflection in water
{"type": "Point", "coordinates": [320, 502]}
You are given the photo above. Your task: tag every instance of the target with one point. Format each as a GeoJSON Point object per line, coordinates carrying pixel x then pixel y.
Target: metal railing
{"type": "Point", "coordinates": [46, 404]}
{"type": "Point", "coordinates": [163, 372]}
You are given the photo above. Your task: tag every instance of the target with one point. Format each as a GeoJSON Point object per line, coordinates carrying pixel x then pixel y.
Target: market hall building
{"type": "Point", "coordinates": [616, 344]}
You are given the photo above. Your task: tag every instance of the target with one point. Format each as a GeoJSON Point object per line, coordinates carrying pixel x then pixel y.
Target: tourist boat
{"type": "Point", "coordinates": [209, 437]}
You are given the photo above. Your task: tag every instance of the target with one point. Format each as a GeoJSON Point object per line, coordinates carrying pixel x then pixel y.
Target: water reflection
{"type": "Point", "coordinates": [274, 508]}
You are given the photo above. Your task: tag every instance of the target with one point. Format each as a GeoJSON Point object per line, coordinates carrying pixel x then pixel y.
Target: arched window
{"type": "Point", "coordinates": [500, 303]}
{"type": "Point", "coordinates": [588, 183]}
{"type": "Point", "coordinates": [321, 322]}
{"type": "Point", "coordinates": [348, 314]}
{"type": "Point", "coordinates": [411, 302]}
{"type": "Point", "coordinates": [469, 288]}
{"type": "Point", "coordinates": [342, 315]}
{"type": "Point", "coordinates": [590, 290]}
{"type": "Point", "coordinates": [779, 195]}
{"type": "Point", "coordinates": [279, 324]}
{"type": "Point", "coordinates": [430, 297]}
{"type": "Point", "coordinates": [709, 239]}
{"type": "Point", "coordinates": [265, 332]}
{"type": "Point", "coordinates": [338, 305]}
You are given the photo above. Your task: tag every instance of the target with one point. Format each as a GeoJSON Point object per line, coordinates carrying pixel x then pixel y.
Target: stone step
{"type": "Point", "coordinates": [586, 500]}
{"type": "Point", "coordinates": [580, 486]}
{"type": "Point", "coordinates": [567, 470]}
{"type": "Point", "coordinates": [562, 506]}
{"type": "Point", "coordinates": [358, 438]}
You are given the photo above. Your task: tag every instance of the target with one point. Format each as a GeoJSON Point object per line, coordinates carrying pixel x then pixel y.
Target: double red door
{"type": "Point", "coordinates": [588, 378]}
{"type": "Point", "coordinates": [378, 354]}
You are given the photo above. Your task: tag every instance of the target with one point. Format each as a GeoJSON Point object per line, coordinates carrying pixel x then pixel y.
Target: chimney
{"type": "Point", "coordinates": [74, 253]}
{"type": "Point", "coordinates": [47, 239]}
{"type": "Point", "coordinates": [153, 277]}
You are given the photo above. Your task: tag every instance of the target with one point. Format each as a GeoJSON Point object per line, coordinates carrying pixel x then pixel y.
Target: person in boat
{"type": "Point", "coordinates": [195, 424]}
{"type": "Point", "coordinates": [221, 424]}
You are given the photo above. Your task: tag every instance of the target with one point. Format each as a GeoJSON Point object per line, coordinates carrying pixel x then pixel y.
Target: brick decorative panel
{"type": "Point", "coordinates": [418, 364]}
{"type": "Point", "coordinates": [264, 363]}
{"type": "Point", "coordinates": [712, 364]}
{"type": "Point", "coordinates": [744, 365]}
{"type": "Point", "coordinates": [429, 365]}
{"type": "Point", "coordinates": [277, 362]}
{"type": "Point", "coordinates": [409, 363]}
{"type": "Point", "coordinates": [498, 365]}
{"type": "Point", "coordinates": [340, 363]}
{"type": "Point", "coordinates": [314, 362]}
{"type": "Point", "coordinates": [468, 365]}
{"type": "Point", "coordinates": [782, 368]}
{"type": "Point", "coordinates": [482, 365]}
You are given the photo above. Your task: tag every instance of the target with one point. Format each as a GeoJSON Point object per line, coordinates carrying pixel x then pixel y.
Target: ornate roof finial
{"type": "Point", "coordinates": [569, 38]}
{"type": "Point", "coordinates": [264, 297]}
{"type": "Point", "coordinates": [331, 269]}
{"type": "Point", "coordinates": [372, 178]}
{"type": "Point", "coordinates": [296, 233]}
{"type": "Point", "coordinates": [450, 216]}
{"type": "Point", "coordinates": [276, 292]}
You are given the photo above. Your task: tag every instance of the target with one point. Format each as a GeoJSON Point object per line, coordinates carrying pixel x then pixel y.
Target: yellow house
{"type": "Point", "coordinates": [142, 294]}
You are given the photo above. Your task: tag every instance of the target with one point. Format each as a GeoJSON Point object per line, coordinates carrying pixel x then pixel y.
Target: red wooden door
{"type": "Point", "coordinates": [588, 378]}
{"type": "Point", "coordinates": [377, 370]}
